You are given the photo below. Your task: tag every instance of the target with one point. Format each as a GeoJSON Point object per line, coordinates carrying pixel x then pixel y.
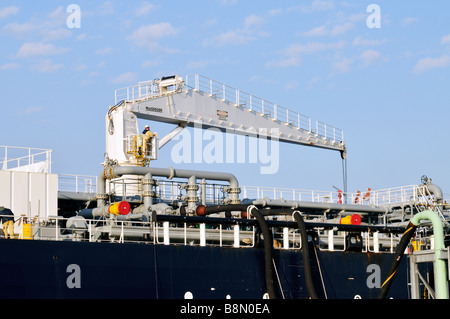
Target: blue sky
{"type": "Point", "coordinates": [387, 87]}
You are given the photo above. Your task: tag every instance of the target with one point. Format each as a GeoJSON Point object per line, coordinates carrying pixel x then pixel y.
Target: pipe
{"type": "Point", "coordinates": [436, 191]}
{"type": "Point", "coordinates": [440, 266]}
{"type": "Point", "coordinates": [305, 251]}
{"type": "Point", "coordinates": [203, 210]}
{"type": "Point", "coordinates": [192, 198]}
{"type": "Point", "coordinates": [115, 171]}
{"type": "Point", "coordinates": [120, 208]}
{"type": "Point", "coordinates": [101, 190]}
{"type": "Point", "coordinates": [148, 192]}
{"type": "Point", "coordinates": [441, 270]}
{"type": "Point", "coordinates": [304, 206]}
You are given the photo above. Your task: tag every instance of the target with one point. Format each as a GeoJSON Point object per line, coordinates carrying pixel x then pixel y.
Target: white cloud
{"type": "Point", "coordinates": [106, 8]}
{"type": "Point", "coordinates": [104, 51]}
{"type": "Point", "coordinates": [291, 56]}
{"type": "Point", "coordinates": [370, 57]}
{"type": "Point", "coordinates": [341, 29]}
{"type": "Point", "coordinates": [432, 63]}
{"type": "Point", "coordinates": [316, 5]}
{"type": "Point", "coordinates": [291, 85]}
{"type": "Point", "coordinates": [228, 2]}
{"type": "Point", "coordinates": [235, 37]}
{"type": "Point", "coordinates": [57, 34]}
{"type": "Point", "coordinates": [9, 66]}
{"type": "Point", "coordinates": [30, 49]}
{"type": "Point", "coordinates": [410, 20]}
{"type": "Point", "coordinates": [252, 21]}
{"type": "Point", "coordinates": [151, 63]}
{"type": "Point", "coordinates": [51, 26]}
{"type": "Point", "coordinates": [342, 66]}
{"type": "Point", "coordinates": [316, 32]}
{"type": "Point", "coordinates": [323, 31]}
{"type": "Point", "coordinates": [445, 39]}
{"type": "Point", "coordinates": [285, 62]}
{"type": "Point", "coordinates": [145, 9]}
{"type": "Point", "coordinates": [125, 78]}
{"type": "Point", "coordinates": [360, 41]}
{"type": "Point", "coordinates": [312, 47]}
{"type": "Point", "coordinates": [249, 32]}
{"type": "Point", "coordinates": [275, 11]}
{"type": "Point", "coordinates": [7, 11]}
{"type": "Point", "coordinates": [29, 110]}
{"type": "Point", "coordinates": [148, 36]}
{"type": "Point", "coordinates": [19, 29]}
{"type": "Point", "coordinates": [200, 64]}
{"type": "Point", "coordinates": [47, 66]}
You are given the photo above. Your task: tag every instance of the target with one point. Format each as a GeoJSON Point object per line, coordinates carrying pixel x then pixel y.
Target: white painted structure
{"type": "Point", "coordinates": [24, 189]}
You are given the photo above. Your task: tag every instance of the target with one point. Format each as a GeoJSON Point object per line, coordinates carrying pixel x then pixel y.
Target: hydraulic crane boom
{"type": "Point", "coordinates": [202, 102]}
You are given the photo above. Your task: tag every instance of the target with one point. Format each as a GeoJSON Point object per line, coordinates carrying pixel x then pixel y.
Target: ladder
{"type": "Point", "coordinates": [424, 200]}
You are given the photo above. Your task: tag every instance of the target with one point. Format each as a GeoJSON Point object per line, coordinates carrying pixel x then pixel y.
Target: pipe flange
{"type": "Point", "coordinates": [101, 196]}
{"type": "Point", "coordinates": [148, 181]}
{"type": "Point", "coordinates": [108, 172]}
{"type": "Point", "coordinates": [192, 188]}
{"type": "Point", "coordinates": [234, 190]}
{"type": "Point", "coordinates": [148, 194]}
{"type": "Point", "coordinates": [193, 199]}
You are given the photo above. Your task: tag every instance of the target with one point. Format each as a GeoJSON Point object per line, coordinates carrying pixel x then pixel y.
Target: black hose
{"type": "Point", "coordinates": [268, 239]}
{"type": "Point", "coordinates": [268, 249]}
{"type": "Point", "coordinates": [305, 251]}
{"type": "Point", "coordinates": [406, 238]}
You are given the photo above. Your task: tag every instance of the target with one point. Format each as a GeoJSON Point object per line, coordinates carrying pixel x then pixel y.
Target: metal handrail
{"type": "Point", "coordinates": [149, 89]}
{"type": "Point", "coordinates": [262, 106]}
{"type": "Point", "coordinates": [33, 156]}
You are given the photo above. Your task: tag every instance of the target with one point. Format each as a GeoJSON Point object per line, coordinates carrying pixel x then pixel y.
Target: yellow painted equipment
{"type": "Point", "coordinates": [27, 231]}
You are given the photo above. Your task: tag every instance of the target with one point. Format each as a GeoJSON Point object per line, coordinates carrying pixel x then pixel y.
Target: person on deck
{"type": "Point", "coordinates": [7, 218]}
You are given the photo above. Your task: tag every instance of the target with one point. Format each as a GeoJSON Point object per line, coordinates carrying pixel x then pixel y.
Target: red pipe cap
{"type": "Point", "coordinates": [201, 210]}
{"type": "Point", "coordinates": [356, 219]}
{"type": "Point", "coordinates": [124, 208]}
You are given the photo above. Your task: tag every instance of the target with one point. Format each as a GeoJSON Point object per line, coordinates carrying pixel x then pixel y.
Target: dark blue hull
{"type": "Point", "coordinates": [66, 269]}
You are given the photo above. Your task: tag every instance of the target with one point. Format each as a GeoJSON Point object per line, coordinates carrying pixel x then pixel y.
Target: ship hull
{"type": "Point", "coordinates": [67, 269]}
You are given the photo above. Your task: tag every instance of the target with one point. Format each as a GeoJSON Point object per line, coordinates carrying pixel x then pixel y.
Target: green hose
{"type": "Point", "coordinates": [440, 266]}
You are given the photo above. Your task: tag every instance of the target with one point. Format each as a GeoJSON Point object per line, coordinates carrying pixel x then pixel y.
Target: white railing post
{"type": "Point", "coordinates": [331, 240]}
{"type": "Point", "coordinates": [376, 244]}
{"type": "Point", "coordinates": [166, 233]}
{"type": "Point", "coordinates": [236, 236]}
{"type": "Point", "coordinates": [286, 238]}
{"type": "Point", "coordinates": [202, 235]}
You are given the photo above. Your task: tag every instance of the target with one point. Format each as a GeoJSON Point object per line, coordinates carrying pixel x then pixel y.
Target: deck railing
{"type": "Point", "coordinates": [25, 159]}
{"type": "Point", "coordinates": [150, 89]}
